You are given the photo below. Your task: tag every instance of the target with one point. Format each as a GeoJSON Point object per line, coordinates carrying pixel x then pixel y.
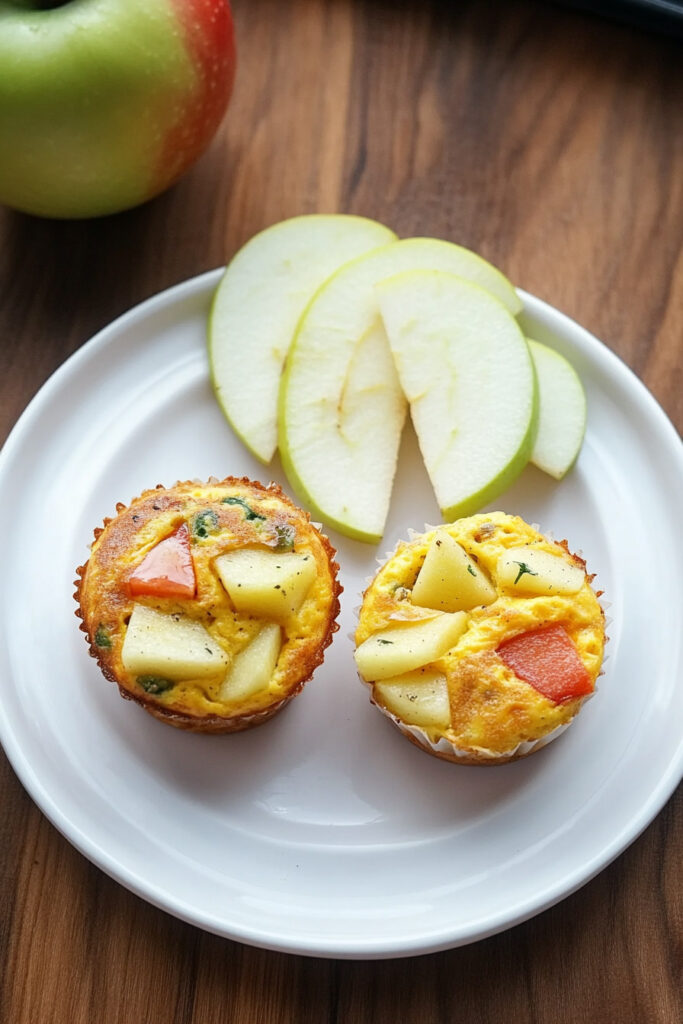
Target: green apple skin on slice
{"type": "Point", "coordinates": [347, 483]}
{"type": "Point", "coordinates": [401, 649]}
{"type": "Point", "coordinates": [532, 571]}
{"type": "Point", "coordinates": [561, 412]}
{"type": "Point", "coordinates": [170, 646]}
{"type": "Point", "coordinates": [252, 669]}
{"type": "Point", "coordinates": [467, 373]}
{"type": "Point", "coordinates": [351, 433]}
{"type": "Point", "coordinates": [264, 583]}
{"type": "Point", "coordinates": [257, 305]}
{"type": "Point", "coordinates": [449, 580]}
{"type": "Point", "coordinates": [417, 698]}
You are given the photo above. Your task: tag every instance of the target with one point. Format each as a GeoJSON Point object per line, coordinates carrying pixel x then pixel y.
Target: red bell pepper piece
{"type": "Point", "coordinates": [547, 659]}
{"type": "Point", "coordinates": [167, 569]}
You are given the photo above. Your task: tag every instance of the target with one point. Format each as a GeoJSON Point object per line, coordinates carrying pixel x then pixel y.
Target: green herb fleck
{"type": "Point", "coordinates": [102, 637]}
{"type": "Point", "coordinates": [285, 534]}
{"type": "Point", "coordinates": [470, 569]}
{"type": "Point", "coordinates": [250, 514]}
{"type": "Point", "coordinates": [381, 640]}
{"type": "Point", "coordinates": [204, 523]}
{"type": "Point", "coordinates": [523, 568]}
{"type": "Point", "coordinates": [154, 684]}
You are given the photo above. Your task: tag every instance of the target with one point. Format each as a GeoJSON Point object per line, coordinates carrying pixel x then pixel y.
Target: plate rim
{"type": "Point", "coordinates": [366, 949]}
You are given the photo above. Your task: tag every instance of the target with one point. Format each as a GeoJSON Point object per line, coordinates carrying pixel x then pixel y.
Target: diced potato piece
{"type": "Point", "coordinates": [534, 571]}
{"type": "Point", "coordinates": [399, 649]}
{"type": "Point", "coordinates": [170, 646]}
{"type": "Point", "coordinates": [449, 579]}
{"type": "Point", "coordinates": [417, 698]}
{"type": "Point", "coordinates": [266, 584]}
{"type": "Point", "coordinates": [253, 667]}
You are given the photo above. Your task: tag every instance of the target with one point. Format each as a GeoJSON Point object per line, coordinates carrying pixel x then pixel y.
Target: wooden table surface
{"type": "Point", "coordinates": [552, 143]}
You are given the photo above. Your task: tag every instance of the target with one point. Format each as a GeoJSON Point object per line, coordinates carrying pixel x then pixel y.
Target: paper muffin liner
{"type": "Point", "coordinates": [474, 755]}
{"type": "Point", "coordinates": [216, 723]}
{"type": "Point", "coordinates": [443, 747]}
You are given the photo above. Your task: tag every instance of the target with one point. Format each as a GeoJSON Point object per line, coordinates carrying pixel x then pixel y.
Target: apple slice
{"type": "Point", "coordinates": [348, 438]}
{"type": "Point", "coordinates": [339, 366]}
{"type": "Point", "coordinates": [417, 698]}
{"type": "Point", "coordinates": [259, 300]}
{"type": "Point", "coordinates": [400, 649]}
{"type": "Point", "coordinates": [533, 571]}
{"type": "Point", "coordinates": [466, 370]}
{"type": "Point", "coordinates": [561, 412]}
{"type": "Point", "coordinates": [253, 667]}
{"type": "Point", "coordinates": [266, 584]}
{"type": "Point", "coordinates": [174, 647]}
{"type": "Point", "coordinates": [449, 580]}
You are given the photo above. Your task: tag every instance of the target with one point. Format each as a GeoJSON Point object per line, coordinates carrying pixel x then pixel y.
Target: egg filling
{"type": "Point", "coordinates": [482, 636]}
{"type": "Point", "coordinates": [209, 604]}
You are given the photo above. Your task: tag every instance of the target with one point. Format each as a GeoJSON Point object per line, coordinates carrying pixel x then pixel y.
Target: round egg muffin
{"type": "Point", "coordinates": [481, 639]}
{"type": "Point", "coordinates": [209, 604]}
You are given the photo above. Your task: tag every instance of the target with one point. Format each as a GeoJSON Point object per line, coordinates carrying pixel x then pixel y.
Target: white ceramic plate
{"type": "Point", "coordinates": [324, 831]}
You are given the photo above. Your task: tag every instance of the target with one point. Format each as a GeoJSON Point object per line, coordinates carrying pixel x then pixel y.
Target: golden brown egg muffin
{"type": "Point", "coordinates": [481, 639]}
{"type": "Point", "coordinates": [209, 604]}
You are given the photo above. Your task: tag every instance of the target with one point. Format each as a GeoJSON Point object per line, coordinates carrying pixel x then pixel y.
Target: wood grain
{"type": "Point", "coordinates": [551, 142]}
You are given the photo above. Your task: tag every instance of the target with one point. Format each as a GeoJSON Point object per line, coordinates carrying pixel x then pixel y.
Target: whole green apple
{"type": "Point", "coordinates": [105, 103]}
